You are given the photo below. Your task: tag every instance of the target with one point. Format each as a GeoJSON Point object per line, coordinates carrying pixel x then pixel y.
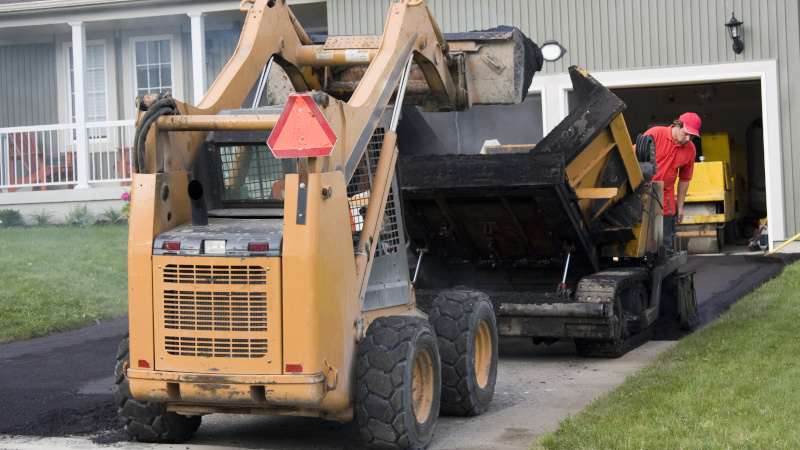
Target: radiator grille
{"type": "Point", "coordinates": [216, 347]}
{"type": "Point", "coordinates": [206, 274]}
{"type": "Point", "coordinates": [215, 311]}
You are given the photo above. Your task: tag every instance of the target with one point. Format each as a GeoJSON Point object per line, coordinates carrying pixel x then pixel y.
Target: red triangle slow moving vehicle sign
{"type": "Point", "coordinates": [301, 130]}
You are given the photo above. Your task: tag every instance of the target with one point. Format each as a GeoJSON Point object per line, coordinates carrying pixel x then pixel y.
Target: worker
{"type": "Point", "coordinates": [675, 155]}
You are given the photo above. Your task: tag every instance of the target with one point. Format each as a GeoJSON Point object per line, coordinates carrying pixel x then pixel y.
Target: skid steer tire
{"type": "Point", "coordinates": [147, 421]}
{"type": "Point", "coordinates": [466, 331]}
{"type": "Point", "coordinates": [398, 383]}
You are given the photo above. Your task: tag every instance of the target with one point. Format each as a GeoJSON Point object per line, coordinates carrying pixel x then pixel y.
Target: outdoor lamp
{"type": "Point", "coordinates": [552, 50]}
{"type": "Point", "coordinates": [735, 31]}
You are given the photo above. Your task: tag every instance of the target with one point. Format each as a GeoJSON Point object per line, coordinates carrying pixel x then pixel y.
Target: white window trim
{"type": "Point", "coordinates": [766, 72]}
{"type": "Point", "coordinates": [68, 90]}
{"type": "Point", "coordinates": [176, 93]}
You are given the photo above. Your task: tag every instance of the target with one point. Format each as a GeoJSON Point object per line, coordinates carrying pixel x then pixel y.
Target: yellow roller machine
{"type": "Point", "coordinates": [710, 203]}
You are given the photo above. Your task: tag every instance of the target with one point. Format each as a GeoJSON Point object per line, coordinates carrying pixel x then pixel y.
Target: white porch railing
{"type": "Point", "coordinates": [47, 155]}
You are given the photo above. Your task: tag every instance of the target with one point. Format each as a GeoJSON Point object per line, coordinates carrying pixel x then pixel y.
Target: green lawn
{"type": "Point", "coordinates": [735, 384]}
{"type": "Point", "coordinates": [59, 278]}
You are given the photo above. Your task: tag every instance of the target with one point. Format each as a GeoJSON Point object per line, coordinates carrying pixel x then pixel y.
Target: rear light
{"type": "Point", "coordinates": [214, 247]}
{"type": "Point", "coordinates": [258, 247]}
{"type": "Point", "coordinates": [294, 368]}
{"type": "Point", "coordinates": [171, 246]}
{"type": "Point", "coordinates": [144, 364]}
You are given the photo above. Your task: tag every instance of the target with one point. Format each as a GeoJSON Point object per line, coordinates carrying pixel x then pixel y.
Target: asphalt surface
{"type": "Point", "coordinates": [62, 385]}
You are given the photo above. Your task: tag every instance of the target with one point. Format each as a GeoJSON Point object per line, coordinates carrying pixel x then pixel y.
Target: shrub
{"type": "Point", "coordinates": [10, 218]}
{"type": "Point", "coordinates": [42, 217]}
{"type": "Point", "coordinates": [114, 215]}
{"type": "Point", "coordinates": [79, 216]}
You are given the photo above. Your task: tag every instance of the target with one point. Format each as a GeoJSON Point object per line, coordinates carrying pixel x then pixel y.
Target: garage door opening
{"type": "Point", "coordinates": [727, 195]}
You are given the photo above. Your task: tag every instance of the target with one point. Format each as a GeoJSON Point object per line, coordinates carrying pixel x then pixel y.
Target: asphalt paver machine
{"type": "Point", "coordinates": [564, 237]}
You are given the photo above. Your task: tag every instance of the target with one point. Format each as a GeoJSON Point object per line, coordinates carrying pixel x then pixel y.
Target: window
{"type": "Point", "coordinates": [95, 86]}
{"type": "Point", "coordinates": [153, 60]}
{"type": "Point", "coordinates": [251, 172]}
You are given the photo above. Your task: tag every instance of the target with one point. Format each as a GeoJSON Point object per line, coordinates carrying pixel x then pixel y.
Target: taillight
{"type": "Point", "coordinates": [258, 247]}
{"type": "Point", "coordinates": [174, 246]}
{"type": "Point", "coordinates": [294, 368]}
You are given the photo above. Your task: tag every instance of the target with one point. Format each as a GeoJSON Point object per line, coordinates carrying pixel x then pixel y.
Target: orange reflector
{"type": "Point", "coordinates": [294, 368]}
{"type": "Point", "coordinates": [171, 246]}
{"type": "Point", "coordinates": [144, 364]}
{"type": "Point", "coordinates": [258, 247]}
{"type": "Point", "coordinates": [302, 130]}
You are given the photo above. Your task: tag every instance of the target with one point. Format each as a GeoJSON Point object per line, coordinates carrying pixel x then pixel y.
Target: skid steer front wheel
{"type": "Point", "coordinates": [147, 421]}
{"type": "Point", "coordinates": [466, 330]}
{"type": "Point", "coordinates": [398, 383]}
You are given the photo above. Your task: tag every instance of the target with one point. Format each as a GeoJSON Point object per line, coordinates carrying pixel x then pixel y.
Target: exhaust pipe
{"type": "Point", "coordinates": [199, 210]}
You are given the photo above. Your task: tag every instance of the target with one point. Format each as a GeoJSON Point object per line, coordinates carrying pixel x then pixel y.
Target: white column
{"type": "Point", "coordinates": [79, 67]}
{"type": "Point", "coordinates": [198, 55]}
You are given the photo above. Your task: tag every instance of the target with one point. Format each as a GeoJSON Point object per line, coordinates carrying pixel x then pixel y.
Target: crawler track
{"type": "Point", "coordinates": [625, 287]}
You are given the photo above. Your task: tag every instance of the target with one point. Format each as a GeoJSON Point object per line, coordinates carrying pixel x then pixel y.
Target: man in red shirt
{"type": "Point", "coordinates": [675, 155]}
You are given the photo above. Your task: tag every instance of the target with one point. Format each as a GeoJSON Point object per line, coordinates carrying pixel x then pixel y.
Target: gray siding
{"type": "Point", "coordinates": [28, 93]}
{"type": "Point", "coordinates": [222, 45]}
{"type": "Point", "coordinates": [608, 35]}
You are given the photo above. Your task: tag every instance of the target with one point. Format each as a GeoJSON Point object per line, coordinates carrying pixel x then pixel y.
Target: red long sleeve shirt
{"type": "Point", "coordinates": [672, 161]}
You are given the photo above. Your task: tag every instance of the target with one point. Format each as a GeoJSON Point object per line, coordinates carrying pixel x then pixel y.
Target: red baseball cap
{"type": "Point", "coordinates": [691, 123]}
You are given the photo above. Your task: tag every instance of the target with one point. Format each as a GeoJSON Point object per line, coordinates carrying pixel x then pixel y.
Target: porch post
{"type": "Point", "coordinates": [198, 55]}
{"type": "Point", "coordinates": [79, 66]}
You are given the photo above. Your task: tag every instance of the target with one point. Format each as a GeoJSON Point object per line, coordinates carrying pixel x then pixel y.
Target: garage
{"type": "Point", "coordinates": [726, 203]}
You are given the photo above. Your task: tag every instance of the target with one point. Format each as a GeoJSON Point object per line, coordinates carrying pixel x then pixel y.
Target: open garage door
{"type": "Point", "coordinates": [727, 196]}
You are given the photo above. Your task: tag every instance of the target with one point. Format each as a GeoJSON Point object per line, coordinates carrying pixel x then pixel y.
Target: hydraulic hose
{"type": "Point", "coordinates": [163, 106]}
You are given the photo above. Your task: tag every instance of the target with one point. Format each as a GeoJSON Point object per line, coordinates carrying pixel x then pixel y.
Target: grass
{"type": "Point", "coordinates": [58, 278]}
{"type": "Point", "coordinates": [735, 384]}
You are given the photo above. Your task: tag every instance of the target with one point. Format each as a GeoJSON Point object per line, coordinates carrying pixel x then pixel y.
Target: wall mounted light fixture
{"type": "Point", "coordinates": [735, 31]}
{"type": "Point", "coordinates": [552, 50]}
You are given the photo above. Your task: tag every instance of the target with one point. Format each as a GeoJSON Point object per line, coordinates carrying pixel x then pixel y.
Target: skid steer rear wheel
{"type": "Point", "coordinates": [398, 383]}
{"type": "Point", "coordinates": [466, 331]}
{"type": "Point", "coordinates": [147, 421]}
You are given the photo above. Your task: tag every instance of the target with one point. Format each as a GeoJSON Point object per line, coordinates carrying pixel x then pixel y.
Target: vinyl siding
{"type": "Point", "coordinates": [28, 92]}
{"type": "Point", "coordinates": [605, 35]}
{"type": "Point", "coordinates": [611, 35]}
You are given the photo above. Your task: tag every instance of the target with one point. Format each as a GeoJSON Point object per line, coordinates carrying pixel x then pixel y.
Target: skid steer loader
{"type": "Point", "coordinates": [267, 253]}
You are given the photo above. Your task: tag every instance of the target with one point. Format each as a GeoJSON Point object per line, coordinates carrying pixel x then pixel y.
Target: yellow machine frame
{"type": "Point", "coordinates": [315, 290]}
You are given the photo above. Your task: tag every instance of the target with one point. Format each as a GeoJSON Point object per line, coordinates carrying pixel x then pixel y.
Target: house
{"type": "Point", "coordinates": [60, 146]}
{"type": "Point", "coordinates": [662, 57]}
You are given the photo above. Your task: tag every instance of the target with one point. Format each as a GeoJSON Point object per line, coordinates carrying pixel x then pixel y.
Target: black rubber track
{"type": "Point", "coordinates": [624, 339]}
{"type": "Point", "coordinates": [455, 317]}
{"type": "Point", "coordinates": [384, 383]}
{"type": "Point", "coordinates": [148, 421]}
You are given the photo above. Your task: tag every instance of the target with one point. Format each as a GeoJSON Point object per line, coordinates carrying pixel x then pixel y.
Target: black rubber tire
{"type": "Point", "coordinates": [148, 421]}
{"type": "Point", "coordinates": [458, 318]}
{"type": "Point", "coordinates": [393, 349]}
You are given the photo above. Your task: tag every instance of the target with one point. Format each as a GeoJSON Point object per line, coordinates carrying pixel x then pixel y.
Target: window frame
{"type": "Point", "coordinates": [172, 55]}
{"type": "Point", "coordinates": [70, 81]}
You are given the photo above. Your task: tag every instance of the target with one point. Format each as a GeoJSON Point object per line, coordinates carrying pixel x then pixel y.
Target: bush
{"type": "Point", "coordinates": [79, 216]}
{"type": "Point", "coordinates": [112, 215]}
{"type": "Point", "coordinates": [10, 218]}
{"type": "Point", "coordinates": [42, 217]}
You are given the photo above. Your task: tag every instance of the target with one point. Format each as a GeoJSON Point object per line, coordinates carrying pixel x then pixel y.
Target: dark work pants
{"type": "Point", "coordinates": [669, 233]}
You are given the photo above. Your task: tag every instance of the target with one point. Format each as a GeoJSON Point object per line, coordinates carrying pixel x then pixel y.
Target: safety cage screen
{"type": "Point", "coordinates": [358, 193]}
{"type": "Point", "coordinates": [252, 173]}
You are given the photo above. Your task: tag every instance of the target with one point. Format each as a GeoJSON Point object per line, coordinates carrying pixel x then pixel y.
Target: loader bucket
{"type": "Point", "coordinates": [521, 210]}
